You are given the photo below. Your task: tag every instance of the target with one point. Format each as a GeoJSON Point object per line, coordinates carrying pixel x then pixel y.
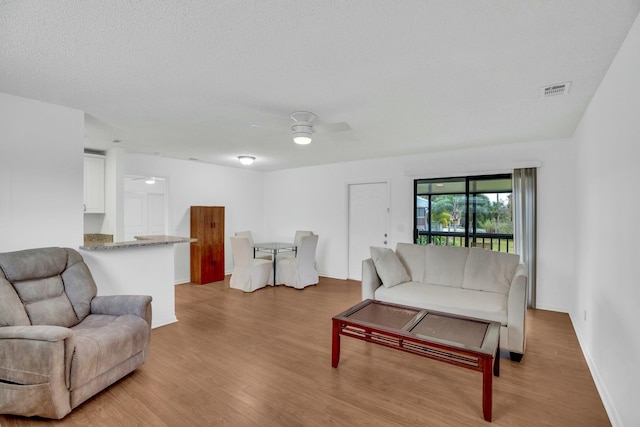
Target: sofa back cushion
{"type": "Point", "coordinates": [444, 265]}
{"type": "Point", "coordinates": [413, 258]}
{"type": "Point", "coordinates": [52, 286]}
{"type": "Point", "coordinates": [490, 271]}
{"type": "Point", "coordinates": [78, 284]}
{"type": "Point", "coordinates": [12, 312]}
{"type": "Point", "coordinates": [390, 270]}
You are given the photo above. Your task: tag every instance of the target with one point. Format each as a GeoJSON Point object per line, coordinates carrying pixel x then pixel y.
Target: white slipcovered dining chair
{"type": "Point", "coordinates": [249, 273]}
{"type": "Point", "coordinates": [297, 241]}
{"type": "Point", "coordinates": [299, 271]}
{"type": "Point", "coordinates": [249, 235]}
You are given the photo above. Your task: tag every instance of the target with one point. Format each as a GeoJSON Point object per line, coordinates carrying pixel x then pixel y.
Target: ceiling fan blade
{"type": "Point", "coordinates": [266, 127]}
{"type": "Point", "coordinates": [335, 127]}
{"type": "Point", "coordinates": [301, 118]}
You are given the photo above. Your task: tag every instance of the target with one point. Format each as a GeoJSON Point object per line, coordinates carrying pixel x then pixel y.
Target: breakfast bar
{"type": "Point", "coordinates": [144, 266]}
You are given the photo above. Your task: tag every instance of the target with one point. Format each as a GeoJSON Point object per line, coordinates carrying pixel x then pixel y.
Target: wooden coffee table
{"type": "Point", "coordinates": [462, 341]}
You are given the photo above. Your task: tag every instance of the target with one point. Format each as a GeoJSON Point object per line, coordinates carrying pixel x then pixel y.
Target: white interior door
{"type": "Point", "coordinates": [135, 215]}
{"type": "Point", "coordinates": [144, 215]}
{"type": "Point", "coordinates": [368, 222]}
{"type": "Point", "coordinates": [156, 214]}
{"type": "Point", "coordinates": [145, 207]}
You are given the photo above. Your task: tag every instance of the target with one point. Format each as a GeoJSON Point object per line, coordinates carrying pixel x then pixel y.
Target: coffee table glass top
{"type": "Point", "coordinates": [427, 324]}
{"type": "Point", "coordinates": [385, 315]}
{"type": "Point", "coordinates": [466, 332]}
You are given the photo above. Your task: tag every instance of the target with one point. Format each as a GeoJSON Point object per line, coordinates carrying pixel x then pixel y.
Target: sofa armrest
{"type": "Point", "coordinates": [120, 305]}
{"type": "Point", "coordinates": [370, 279]}
{"type": "Point", "coordinates": [36, 333]}
{"type": "Point", "coordinates": [517, 309]}
{"type": "Point", "coordinates": [32, 354]}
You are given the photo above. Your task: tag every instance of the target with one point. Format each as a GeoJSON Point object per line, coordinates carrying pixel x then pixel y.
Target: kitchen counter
{"type": "Point", "coordinates": [91, 239]}
{"type": "Point", "coordinates": [140, 241]}
{"type": "Point", "coordinates": [144, 266]}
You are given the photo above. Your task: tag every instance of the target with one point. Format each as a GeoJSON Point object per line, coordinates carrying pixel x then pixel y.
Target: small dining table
{"type": "Point", "coordinates": [274, 248]}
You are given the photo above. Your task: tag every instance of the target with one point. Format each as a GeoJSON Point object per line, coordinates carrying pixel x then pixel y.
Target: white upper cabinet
{"type": "Point", "coordinates": [93, 183]}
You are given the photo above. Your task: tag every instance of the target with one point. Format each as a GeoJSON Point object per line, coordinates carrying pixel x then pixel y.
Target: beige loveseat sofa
{"type": "Point", "coordinates": [60, 343]}
{"type": "Point", "coordinates": [471, 282]}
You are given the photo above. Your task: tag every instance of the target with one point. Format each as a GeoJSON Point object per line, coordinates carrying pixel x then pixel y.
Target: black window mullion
{"type": "Point", "coordinates": [466, 213]}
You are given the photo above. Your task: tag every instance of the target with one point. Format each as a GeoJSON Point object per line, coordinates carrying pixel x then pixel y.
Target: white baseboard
{"type": "Point", "coordinates": [181, 281]}
{"type": "Point", "coordinates": [156, 323]}
{"type": "Point", "coordinates": [609, 407]}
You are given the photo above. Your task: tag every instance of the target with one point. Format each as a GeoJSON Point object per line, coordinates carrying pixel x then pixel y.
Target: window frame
{"type": "Point", "coordinates": [470, 235]}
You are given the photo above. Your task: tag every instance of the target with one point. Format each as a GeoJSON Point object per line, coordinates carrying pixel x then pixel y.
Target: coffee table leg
{"type": "Point", "coordinates": [335, 344]}
{"type": "Point", "coordinates": [487, 386]}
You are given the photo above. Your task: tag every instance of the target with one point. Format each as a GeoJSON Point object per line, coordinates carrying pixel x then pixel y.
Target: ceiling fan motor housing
{"type": "Point", "coordinates": [303, 117]}
{"type": "Point", "coordinates": [303, 128]}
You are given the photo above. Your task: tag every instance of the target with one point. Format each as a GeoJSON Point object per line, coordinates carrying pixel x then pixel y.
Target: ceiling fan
{"type": "Point", "coordinates": [147, 179]}
{"type": "Point", "coordinates": [303, 126]}
{"type": "Point", "coordinates": [306, 123]}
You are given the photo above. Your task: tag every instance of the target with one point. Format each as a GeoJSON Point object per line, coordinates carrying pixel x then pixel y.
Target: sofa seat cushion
{"type": "Point", "coordinates": [101, 344]}
{"type": "Point", "coordinates": [465, 302]}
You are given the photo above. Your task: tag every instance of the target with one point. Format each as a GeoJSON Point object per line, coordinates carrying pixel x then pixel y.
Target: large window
{"type": "Point", "coordinates": [465, 211]}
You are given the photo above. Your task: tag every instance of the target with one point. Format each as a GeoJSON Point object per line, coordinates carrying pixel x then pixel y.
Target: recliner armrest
{"type": "Point", "coordinates": [120, 305]}
{"type": "Point", "coordinates": [33, 354]}
{"type": "Point", "coordinates": [36, 333]}
{"type": "Point", "coordinates": [370, 279]}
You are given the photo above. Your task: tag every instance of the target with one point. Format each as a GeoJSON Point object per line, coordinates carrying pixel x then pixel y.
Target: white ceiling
{"type": "Point", "coordinates": [212, 80]}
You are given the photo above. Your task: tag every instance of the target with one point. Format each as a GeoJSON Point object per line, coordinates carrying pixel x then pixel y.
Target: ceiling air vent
{"type": "Point", "coordinates": [556, 89]}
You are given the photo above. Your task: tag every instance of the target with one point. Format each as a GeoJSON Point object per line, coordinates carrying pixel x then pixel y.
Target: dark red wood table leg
{"type": "Point", "coordinates": [335, 344]}
{"type": "Point", "coordinates": [487, 386]}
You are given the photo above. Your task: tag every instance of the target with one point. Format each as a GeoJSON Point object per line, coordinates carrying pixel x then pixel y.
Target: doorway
{"type": "Point", "coordinates": [145, 207]}
{"type": "Point", "coordinates": [368, 222]}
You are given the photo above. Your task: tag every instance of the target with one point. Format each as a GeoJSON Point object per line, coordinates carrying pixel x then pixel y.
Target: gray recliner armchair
{"type": "Point", "coordinates": [60, 344]}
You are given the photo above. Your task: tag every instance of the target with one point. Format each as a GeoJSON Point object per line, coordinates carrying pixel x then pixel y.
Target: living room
{"type": "Point", "coordinates": [581, 270]}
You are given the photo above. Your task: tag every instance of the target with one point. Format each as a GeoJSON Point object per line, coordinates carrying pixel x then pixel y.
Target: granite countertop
{"type": "Point", "coordinates": [140, 241]}
{"type": "Point", "coordinates": [93, 239]}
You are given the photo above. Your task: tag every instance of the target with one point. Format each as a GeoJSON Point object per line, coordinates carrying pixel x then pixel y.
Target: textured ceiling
{"type": "Point", "coordinates": [212, 80]}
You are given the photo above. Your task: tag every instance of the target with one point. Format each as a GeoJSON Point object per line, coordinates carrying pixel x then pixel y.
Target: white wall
{"type": "Point", "coordinates": [315, 198]}
{"type": "Point", "coordinates": [41, 174]}
{"type": "Point", "coordinates": [191, 183]}
{"type": "Point", "coordinates": [606, 221]}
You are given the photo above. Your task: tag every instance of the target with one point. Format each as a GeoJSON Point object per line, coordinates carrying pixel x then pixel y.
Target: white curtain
{"type": "Point", "coordinates": [524, 222]}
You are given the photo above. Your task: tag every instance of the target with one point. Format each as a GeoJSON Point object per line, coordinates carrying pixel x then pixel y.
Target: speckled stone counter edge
{"type": "Point", "coordinates": [140, 241]}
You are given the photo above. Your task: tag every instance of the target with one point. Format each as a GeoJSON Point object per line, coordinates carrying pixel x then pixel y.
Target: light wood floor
{"type": "Point", "coordinates": [264, 359]}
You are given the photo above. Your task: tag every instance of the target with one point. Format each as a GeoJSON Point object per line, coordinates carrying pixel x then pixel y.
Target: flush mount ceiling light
{"type": "Point", "coordinates": [150, 180]}
{"type": "Point", "coordinates": [246, 160]}
{"type": "Point", "coordinates": [303, 127]}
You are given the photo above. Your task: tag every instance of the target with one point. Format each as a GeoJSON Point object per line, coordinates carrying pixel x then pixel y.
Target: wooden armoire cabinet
{"type": "Point", "coordinates": [207, 254]}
